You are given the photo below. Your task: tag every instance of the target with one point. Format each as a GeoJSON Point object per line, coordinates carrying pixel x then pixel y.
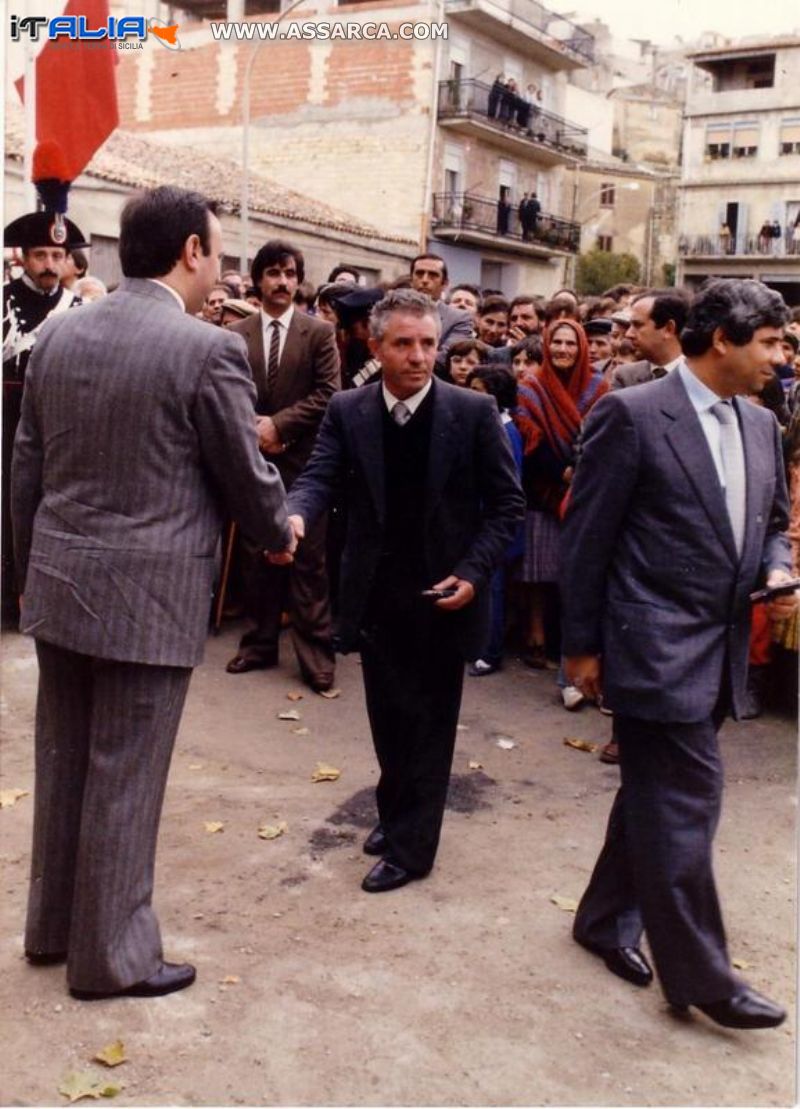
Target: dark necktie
{"type": "Point", "coordinates": [401, 414]}
{"type": "Point", "coordinates": [658, 371]}
{"type": "Point", "coordinates": [274, 354]}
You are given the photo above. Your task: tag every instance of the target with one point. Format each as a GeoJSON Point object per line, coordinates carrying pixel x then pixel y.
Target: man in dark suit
{"type": "Point", "coordinates": [429, 276]}
{"type": "Point", "coordinates": [295, 368]}
{"type": "Point", "coordinates": [657, 318]}
{"type": "Point", "coordinates": [678, 509]}
{"type": "Point", "coordinates": [137, 426]}
{"type": "Point", "coordinates": [432, 501]}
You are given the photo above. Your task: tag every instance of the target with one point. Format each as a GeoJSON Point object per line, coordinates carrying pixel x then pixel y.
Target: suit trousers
{"type": "Point", "coordinates": [105, 732]}
{"type": "Point", "coordinates": [655, 872]}
{"type": "Point", "coordinates": [413, 678]}
{"type": "Point", "coordinates": [302, 589]}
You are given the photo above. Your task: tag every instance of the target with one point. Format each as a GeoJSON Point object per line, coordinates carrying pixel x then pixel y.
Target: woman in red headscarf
{"type": "Point", "coordinates": [551, 408]}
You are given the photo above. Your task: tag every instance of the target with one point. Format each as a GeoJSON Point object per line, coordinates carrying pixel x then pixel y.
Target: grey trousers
{"type": "Point", "coordinates": [105, 732]}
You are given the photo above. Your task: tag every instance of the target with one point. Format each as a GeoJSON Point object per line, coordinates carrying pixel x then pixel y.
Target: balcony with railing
{"type": "Point", "coordinates": [504, 118]}
{"type": "Point", "coordinates": [469, 218]}
{"type": "Point", "coordinates": [783, 245]}
{"type": "Point", "coordinates": [528, 28]}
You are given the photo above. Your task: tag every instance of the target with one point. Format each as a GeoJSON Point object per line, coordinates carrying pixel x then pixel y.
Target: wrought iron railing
{"type": "Point", "coordinates": [471, 212]}
{"type": "Point", "coordinates": [509, 112]}
{"type": "Point", "coordinates": [719, 245]}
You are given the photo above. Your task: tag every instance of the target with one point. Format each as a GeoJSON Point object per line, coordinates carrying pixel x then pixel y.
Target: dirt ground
{"type": "Point", "coordinates": [463, 989]}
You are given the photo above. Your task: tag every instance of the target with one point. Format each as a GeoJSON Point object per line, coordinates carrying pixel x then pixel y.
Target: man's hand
{"type": "Point", "coordinates": [515, 335]}
{"type": "Point", "coordinates": [782, 608]}
{"type": "Point", "coordinates": [585, 673]}
{"type": "Point", "coordinates": [268, 439]}
{"type": "Point", "coordinates": [283, 558]}
{"type": "Point", "coordinates": [464, 592]}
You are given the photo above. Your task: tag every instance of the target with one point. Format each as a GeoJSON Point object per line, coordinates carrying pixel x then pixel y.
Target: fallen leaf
{"type": "Point", "coordinates": [301, 731]}
{"type": "Point", "coordinates": [290, 714]}
{"type": "Point", "coordinates": [294, 696]}
{"type": "Point", "coordinates": [78, 1084]}
{"type": "Point", "coordinates": [581, 745]}
{"type": "Point", "coordinates": [506, 744]}
{"type": "Point", "coordinates": [325, 773]}
{"type": "Point", "coordinates": [212, 826]}
{"type": "Point", "coordinates": [568, 904]}
{"type": "Point", "coordinates": [473, 765]}
{"type": "Point", "coordinates": [741, 964]}
{"type": "Point", "coordinates": [195, 766]}
{"type": "Point", "coordinates": [230, 980]}
{"type": "Point", "coordinates": [9, 797]}
{"type": "Point", "coordinates": [112, 1054]}
{"type": "Point", "coordinates": [330, 694]}
{"type": "Point", "coordinates": [272, 831]}
{"type": "Point", "coordinates": [462, 728]}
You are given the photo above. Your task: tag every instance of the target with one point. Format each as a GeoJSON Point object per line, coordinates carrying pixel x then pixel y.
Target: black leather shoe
{"type": "Point", "coordinates": [167, 979]}
{"type": "Point", "coordinates": [240, 664]}
{"type": "Point", "coordinates": [746, 1009]}
{"type": "Point", "coordinates": [320, 683]}
{"type": "Point", "coordinates": [45, 958]}
{"type": "Point", "coordinates": [375, 843]}
{"type": "Point", "coordinates": [626, 962]}
{"type": "Point", "coordinates": [387, 875]}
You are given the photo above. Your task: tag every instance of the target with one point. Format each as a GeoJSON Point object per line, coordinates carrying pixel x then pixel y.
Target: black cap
{"type": "Point", "coordinates": [600, 326]}
{"type": "Point", "coordinates": [40, 229]}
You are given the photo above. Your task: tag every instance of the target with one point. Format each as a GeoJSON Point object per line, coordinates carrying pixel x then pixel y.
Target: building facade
{"type": "Point", "coordinates": [739, 213]}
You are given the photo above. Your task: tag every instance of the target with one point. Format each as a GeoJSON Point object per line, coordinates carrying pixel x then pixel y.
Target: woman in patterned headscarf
{"type": "Point", "coordinates": [551, 409]}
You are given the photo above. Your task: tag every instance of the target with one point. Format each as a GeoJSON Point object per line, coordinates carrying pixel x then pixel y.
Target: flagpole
{"type": "Point", "coordinates": [28, 187]}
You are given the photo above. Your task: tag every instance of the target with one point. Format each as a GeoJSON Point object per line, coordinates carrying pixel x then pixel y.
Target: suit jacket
{"type": "Point", "coordinates": [137, 427]}
{"type": "Point", "coordinates": [631, 373]}
{"type": "Point", "coordinates": [456, 325]}
{"type": "Point", "coordinates": [308, 376]}
{"type": "Point", "coordinates": [651, 578]}
{"type": "Point", "coordinates": [473, 506]}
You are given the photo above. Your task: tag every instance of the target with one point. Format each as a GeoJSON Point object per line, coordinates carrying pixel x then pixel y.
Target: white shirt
{"type": "Point", "coordinates": [703, 400]}
{"type": "Point", "coordinates": [169, 289]}
{"type": "Point", "coordinates": [412, 403]}
{"type": "Point", "coordinates": [670, 366]}
{"type": "Point", "coordinates": [283, 330]}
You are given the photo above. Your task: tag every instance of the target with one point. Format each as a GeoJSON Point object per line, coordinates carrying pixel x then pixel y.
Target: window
{"type": "Point", "coordinates": [607, 196]}
{"type": "Point", "coordinates": [605, 242]}
{"type": "Point", "coordinates": [789, 142]}
{"type": "Point", "coordinates": [725, 140]}
{"type": "Point", "coordinates": [745, 140]}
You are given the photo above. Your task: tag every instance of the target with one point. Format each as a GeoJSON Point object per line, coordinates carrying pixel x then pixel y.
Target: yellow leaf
{"type": "Point", "coordinates": [290, 714]}
{"type": "Point", "coordinates": [195, 766]}
{"type": "Point", "coordinates": [272, 831]}
{"type": "Point", "coordinates": [9, 797]}
{"type": "Point", "coordinates": [473, 765]}
{"type": "Point", "coordinates": [568, 904]}
{"type": "Point", "coordinates": [294, 696]}
{"type": "Point", "coordinates": [212, 826]}
{"type": "Point", "coordinates": [301, 731]}
{"type": "Point", "coordinates": [741, 964]}
{"type": "Point", "coordinates": [330, 694]}
{"type": "Point", "coordinates": [230, 980]}
{"type": "Point", "coordinates": [325, 773]}
{"type": "Point", "coordinates": [112, 1054]}
{"type": "Point", "coordinates": [581, 745]}
{"type": "Point", "coordinates": [79, 1084]}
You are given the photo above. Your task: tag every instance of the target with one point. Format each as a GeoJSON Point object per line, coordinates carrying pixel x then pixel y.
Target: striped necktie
{"type": "Point", "coordinates": [730, 441]}
{"type": "Point", "coordinates": [274, 354]}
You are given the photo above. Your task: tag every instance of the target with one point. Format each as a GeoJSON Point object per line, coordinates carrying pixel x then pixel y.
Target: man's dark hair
{"type": "Point", "coordinates": [794, 314]}
{"type": "Point", "coordinates": [499, 383]}
{"type": "Point", "coordinates": [668, 304]}
{"type": "Point", "coordinates": [304, 294]}
{"type": "Point", "coordinates": [343, 269]}
{"type": "Point", "coordinates": [467, 289]}
{"type": "Point", "coordinates": [555, 308]}
{"type": "Point", "coordinates": [617, 292]}
{"type": "Point", "coordinates": [600, 308]}
{"type": "Point", "coordinates": [493, 304]}
{"type": "Point", "coordinates": [738, 307]}
{"type": "Point", "coordinates": [430, 258]}
{"type": "Point", "coordinates": [523, 298]}
{"type": "Point", "coordinates": [792, 339]}
{"type": "Point", "coordinates": [81, 261]}
{"type": "Point", "coordinates": [531, 346]}
{"type": "Point", "coordinates": [275, 253]}
{"type": "Point", "coordinates": [155, 225]}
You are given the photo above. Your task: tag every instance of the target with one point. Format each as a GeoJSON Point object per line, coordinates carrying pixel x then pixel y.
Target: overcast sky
{"type": "Point", "coordinates": [661, 20]}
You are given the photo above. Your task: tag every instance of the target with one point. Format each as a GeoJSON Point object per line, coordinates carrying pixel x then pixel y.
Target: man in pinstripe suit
{"type": "Point", "coordinates": [137, 427]}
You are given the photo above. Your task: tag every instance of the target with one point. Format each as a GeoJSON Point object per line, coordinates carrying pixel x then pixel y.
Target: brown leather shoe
{"type": "Point", "coordinates": [609, 753]}
{"type": "Point", "coordinates": [167, 979]}
{"type": "Point", "coordinates": [240, 664]}
{"type": "Point", "coordinates": [320, 683]}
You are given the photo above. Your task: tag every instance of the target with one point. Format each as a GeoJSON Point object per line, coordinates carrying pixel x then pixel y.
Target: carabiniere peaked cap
{"type": "Point", "coordinates": [49, 227]}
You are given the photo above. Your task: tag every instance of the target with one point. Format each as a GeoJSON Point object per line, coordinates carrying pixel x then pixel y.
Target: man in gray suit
{"type": "Point", "coordinates": [429, 276]}
{"type": "Point", "coordinates": [137, 427]}
{"type": "Point", "coordinates": [678, 508]}
{"type": "Point", "coordinates": [657, 318]}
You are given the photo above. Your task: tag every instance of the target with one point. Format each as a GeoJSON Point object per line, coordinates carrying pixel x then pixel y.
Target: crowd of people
{"type": "Point", "coordinates": [427, 476]}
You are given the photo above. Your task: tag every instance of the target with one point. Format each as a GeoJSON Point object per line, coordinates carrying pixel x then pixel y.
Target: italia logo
{"type": "Point", "coordinates": [76, 28]}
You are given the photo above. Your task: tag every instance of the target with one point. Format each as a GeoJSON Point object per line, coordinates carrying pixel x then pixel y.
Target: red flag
{"type": "Point", "coordinates": [76, 91]}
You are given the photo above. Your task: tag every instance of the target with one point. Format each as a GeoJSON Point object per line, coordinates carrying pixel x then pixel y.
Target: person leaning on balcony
{"type": "Point", "coordinates": [725, 239]}
{"type": "Point", "coordinates": [495, 95]}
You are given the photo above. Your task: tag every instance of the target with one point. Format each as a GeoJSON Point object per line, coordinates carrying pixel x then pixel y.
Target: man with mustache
{"type": "Point", "coordinates": [295, 367]}
{"type": "Point", "coordinates": [28, 301]}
